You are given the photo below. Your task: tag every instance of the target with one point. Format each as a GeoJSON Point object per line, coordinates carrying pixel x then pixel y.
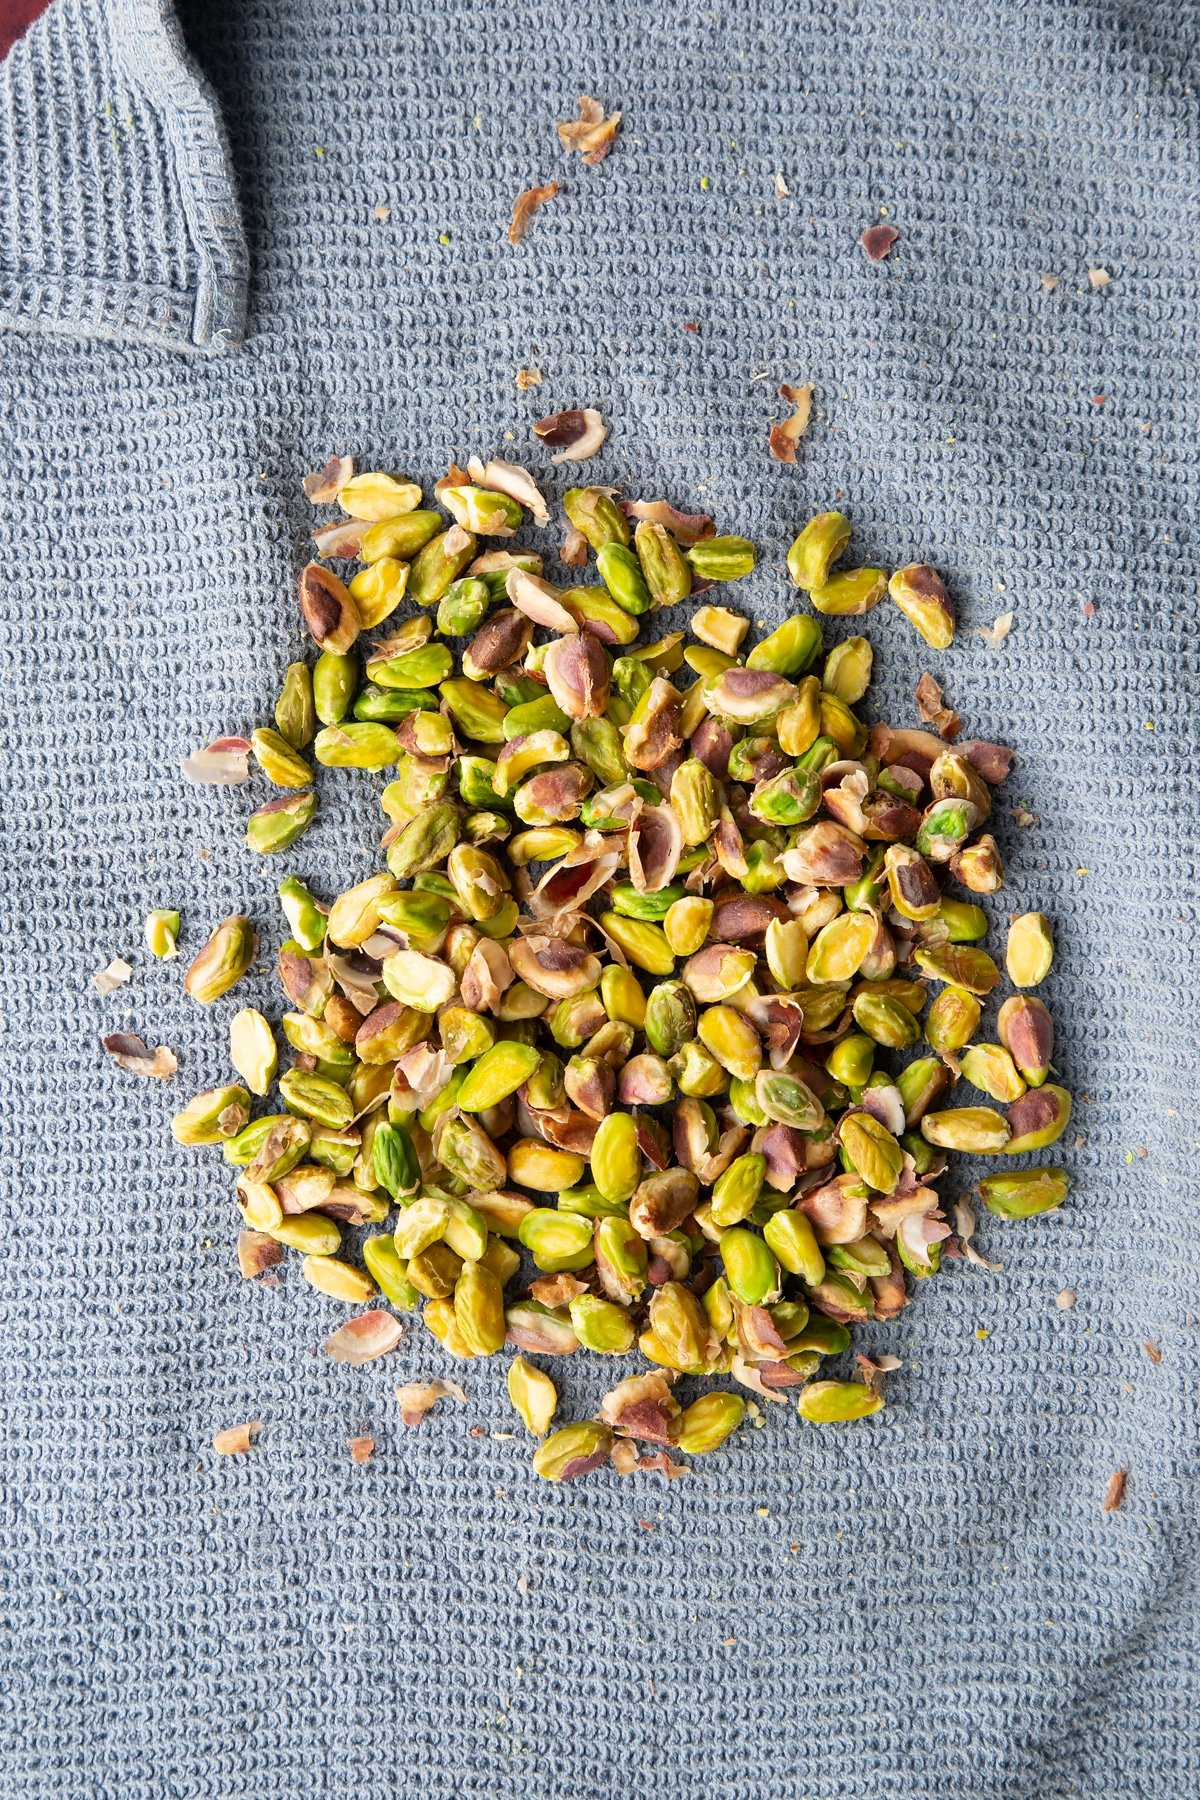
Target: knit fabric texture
{"type": "Point", "coordinates": [931, 1605]}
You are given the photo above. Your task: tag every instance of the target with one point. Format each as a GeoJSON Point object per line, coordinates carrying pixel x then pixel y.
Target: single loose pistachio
{"type": "Point", "coordinates": [921, 595]}
{"type": "Point", "coordinates": [294, 716]}
{"type": "Point", "coordinates": [974, 1129]}
{"type": "Point", "coordinates": [378, 590]}
{"type": "Point", "coordinates": [722, 558]}
{"type": "Point", "coordinates": [720, 628]}
{"type": "Point", "coordinates": [1038, 1118]}
{"type": "Point", "coordinates": [1025, 1193]}
{"type": "Point", "coordinates": [278, 824]}
{"type": "Point", "coordinates": [533, 1395]}
{"type": "Point", "coordinates": [1030, 950]}
{"type": "Point", "coordinates": [847, 672]}
{"type": "Point", "coordinates": [837, 1402]}
{"type": "Point", "coordinates": [334, 684]}
{"type": "Point", "coordinates": [575, 1450]}
{"type": "Point", "coordinates": [211, 1116]}
{"type": "Point", "coordinates": [328, 608]}
{"type": "Point", "coordinates": [707, 1422]}
{"type": "Point", "coordinates": [223, 960]}
{"type": "Point", "coordinates": [790, 649]}
{"type": "Point", "coordinates": [817, 548]}
{"type": "Point", "coordinates": [162, 933]}
{"type": "Point", "coordinates": [252, 1049]}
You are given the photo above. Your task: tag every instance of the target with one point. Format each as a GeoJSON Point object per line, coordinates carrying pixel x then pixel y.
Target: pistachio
{"type": "Point", "coordinates": [1030, 950]}
{"type": "Point", "coordinates": [837, 1402]}
{"type": "Point", "coordinates": [223, 960]}
{"type": "Point", "coordinates": [921, 595]}
{"type": "Point", "coordinates": [575, 1450]}
{"type": "Point", "coordinates": [1025, 1193]}
{"type": "Point", "coordinates": [533, 1395]}
{"type": "Point", "coordinates": [328, 608]}
{"type": "Point", "coordinates": [252, 1049]}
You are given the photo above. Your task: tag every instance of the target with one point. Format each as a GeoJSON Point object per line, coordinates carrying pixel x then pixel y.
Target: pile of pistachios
{"type": "Point", "coordinates": [665, 986]}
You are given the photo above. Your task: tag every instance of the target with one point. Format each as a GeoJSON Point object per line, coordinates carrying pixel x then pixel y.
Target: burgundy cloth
{"type": "Point", "coordinates": [16, 16]}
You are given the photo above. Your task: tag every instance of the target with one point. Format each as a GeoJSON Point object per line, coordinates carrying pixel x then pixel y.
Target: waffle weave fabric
{"type": "Point", "coordinates": [928, 1606]}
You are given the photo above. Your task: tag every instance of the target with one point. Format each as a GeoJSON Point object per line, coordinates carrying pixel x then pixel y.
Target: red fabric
{"type": "Point", "coordinates": [16, 16]}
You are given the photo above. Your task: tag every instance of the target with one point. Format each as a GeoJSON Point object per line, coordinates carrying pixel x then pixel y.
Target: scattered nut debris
{"type": "Point", "coordinates": [1099, 278]}
{"type": "Point", "coordinates": [575, 435]}
{"type": "Point", "coordinates": [110, 980]}
{"type": "Point", "coordinates": [524, 207]}
{"type": "Point", "coordinates": [134, 1053]}
{"type": "Point", "coordinates": [591, 134]}
{"type": "Point", "coordinates": [1152, 1351]}
{"type": "Point", "coordinates": [223, 763]}
{"type": "Point", "coordinates": [690, 325]}
{"type": "Point", "coordinates": [325, 485]}
{"type": "Point", "coordinates": [1049, 282]}
{"type": "Point", "coordinates": [998, 630]}
{"type": "Point", "coordinates": [1114, 1493]}
{"type": "Point", "coordinates": [528, 378]}
{"type": "Point", "coordinates": [418, 1397]}
{"type": "Point", "coordinates": [964, 1225]}
{"type": "Point", "coordinates": [235, 1440]}
{"type": "Point", "coordinates": [624, 1456]}
{"type": "Point", "coordinates": [383, 213]}
{"type": "Point", "coordinates": [783, 439]}
{"type": "Point", "coordinates": [877, 241]}
{"type": "Point", "coordinates": [932, 708]}
{"type": "Point", "coordinates": [1022, 816]}
{"type": "Point", "coordinates": [782, 190]}
{"type": "Point", "coordinates": [1065, 1299]}
{"type": "Point", "coordinates": [362, 1449]}
{"type": "Point", "coordinates": [574, 550]}
{"type": "Point", "coordinates": [660, 1463]}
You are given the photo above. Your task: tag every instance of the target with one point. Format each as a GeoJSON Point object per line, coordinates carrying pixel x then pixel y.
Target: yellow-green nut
{"type": "Point", "coordinates": [847, 671]}
{"type": "Point", "coordinates": [478, 880]}
{"type": "Point", "coordinates": [465, 1035]}
{"type": "Point", "coordinates": [921, 595]}
{"type": "Point", "coordinates": [316, 1097]}
{"type": "Point", "coordinates": [1030, 950]}
{"type": "Point", "coordinates": [1038, 1118]}
{"type": "Point", "coordinates": [252, 1049]}
{"type": "Point", "coordinates": [790, 649]}
{"type": "Point", "coordinates": [467, 1232]}
{"type": "Point", "coordinates": [716, 974]}
{"type": "Point", "coordinates": [732, 1039]}
{"type": "Point", "coordinates": [884, 1019]}
{"type": "Point", "coordinates": [475, 709]}
{"type": "Point", "coordinates": [990, 1068]}
{"type": "Point", "coordinates": [669, 1018]}
{"type": "Point", "coordinates": [211, 1116]}
{"type": "Point", "coordinates": [396, 1164]}
{"type": "Point", "coordinates": [575, 1450]}
{"type": "Point", "coordinates": [162, 933]}
{"type": "Point", "coordinates": [533, 1395]}
{"type": "Point", "coordinates": [621, 574]}
{"type": "Point", "coordinates": [965, 923]}
{"type": "Point", "coordinates": [295, 719]}
{"type": "Point", "coordinates": [799, 725]}
{"type": "Point", "coordinates": [499, 1072]}
{"type": "Point", "coordinates": [852, 1060]}
{"type": "Point", "coordinates": [788, 1100]}
{"type": "Point", "coordinates": [680, 1326]}
{"type": "Point", "coordinates": [974, 1129]}
{"type": "Point", "coordinates": [439, 563]}
{"type": "Point", "coordinates": [644, 944]}
{"type": "Point", "coordinates": [222, 962]}
{"type": "Point", "coordinates": [312, 1233]}
{"type": "Point", "coordinates": [840, 948]}
{"type": "Point", "coordinates": [479, 1309]}
{"type": "Point", "coordinates": [597, 515]}
{"type": "Point", "coordinates": [375, 495]}
{"type": "Point", "coordinates": [354, 915]}
{"type": "Point", "coordinates": [695, 801]}
{"type": "Point", "coordinates": [708, 1421]}
{"type": "Point", "coordinates": [421, 982]}
{"type": "Point", "coordinates": [483, 510]}
{"type": "Point", "coordinates": [736, 1192]}
{"type": "Point", "coordinates": [952, 1021]}
{"type": "Point", "coordinates": [837, 1402]}
{"type": "Point", "coordinates": [697, 1072]}
{"type": "Point", "coordinates": [1025, 1193]}
{"type": "Point", "coordinates": [535, 1165]}
{"type": "Point", "coordinates": [849, 593]}
{"type": "Point", "coordinates": [817, 548]}
{"type": "Point", "coordinates": [602, 1325]}
{"type": "Point", "coordinates": [721, 629]}
{"type": "Point", "coordinates": [722, 558]}
{"type": "Point", "coordinates": [356, 746]}
{"type": "Point", "coordinates": [919, 1084]}
{"type": "Point", "coordinates": [842, 726]}
{"type": "Point", "coordinates": [334, 685]}
{"type": "Point", "coordinates": [338, 1279]}
{"type": "Point", "coordinates": [750, 1266]}
{"type": "Point", "coordinates": [425, 841]}
{"type": "Point", "coordinates": [558, 1242]}
{"type": "Point", "coordinates": [872, 1151]}
{"type": "Point", "coordinates": [791, 1240]}
{"type": "Point", "coordinates": [278, 824]}
{"type": "Point", "coordinates": [280, 764]}
{"type": "Point", "coordinates": [786, 951]}
{"type": "Point", "coordinates": [401, 537]}
{"type": "Point", "coordinates": [686, 924]}
{"type": "Point", "coordinates": [615, 1157]}
{"type": "Point", "coordinates": [378, 590]}
{"type": "Point", "coordinates": [960, 964]}
{"type": "Point", "coordinates": [622, 1257]}
{"type": "Point", "coordinates": [668, 575]}
{"type": "Point", "coordinates": [423, 667]}
{"type": "Point", "coordinates": [464, 1149]}
{"type": "Point", "coordinates": [420, 1225]}
{"type": "Point", "coordinates": [388, 1271]}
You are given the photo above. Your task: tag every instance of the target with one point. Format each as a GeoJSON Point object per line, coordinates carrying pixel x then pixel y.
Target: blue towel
{"type": "Point", "coordinates": [931, 1605]}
